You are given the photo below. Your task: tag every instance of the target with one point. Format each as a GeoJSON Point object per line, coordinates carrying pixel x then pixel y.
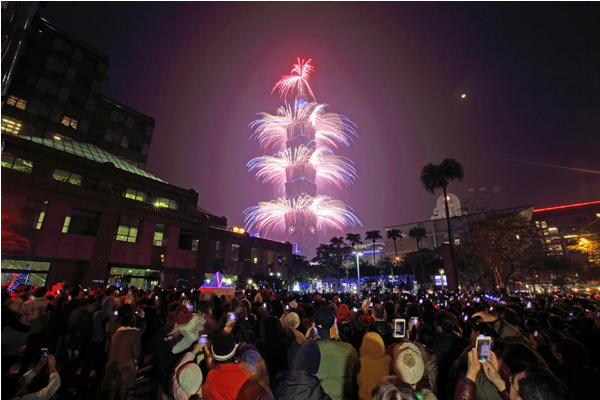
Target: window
{"type": "Point", "coordinates": [16, 163]}
{"type": "Point", "coordinates": [254, 255]}
{"type": "Point", "coordinates": [125, 141]}
{"type": "Point", "coordinates": [235, 252]}
{"type": "Point", "coordinates": [96, 131]}
{"type": "Point", "coordinates": [10, 125]}
{"type": "Point", "coordinates": [17, 102]}
{"type": "Point", "coordinates": [195, 244]}
{"type": "Point", "coordinates": [135, 195]}
{"type": "Point", "coordinates": [218, 250]}
{"type": "Point", "coordinates": [127, 230]}
{"type": "Point", "coordinates": [67, 177]}
{"type": "Point", "coordinates": [159, 236]}
{"type": "Point", "coordinates": [186, 239]}
{"type": "Point", "coordinates": [270, 257]}
{"type": "Point", "coordinates": [103, 111]}
{"type": "Point", "coordinates": [81, 222]}
{"type": "Point", "coordinates": [70, 122]}
{"type": "Point", "coordinates": [162, 202]}
{"type": "Point", "coordinates": [41, 215]}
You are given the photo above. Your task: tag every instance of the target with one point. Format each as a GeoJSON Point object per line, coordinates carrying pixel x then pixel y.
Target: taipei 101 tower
{"type": "Point", "coordinates": [303, 137]}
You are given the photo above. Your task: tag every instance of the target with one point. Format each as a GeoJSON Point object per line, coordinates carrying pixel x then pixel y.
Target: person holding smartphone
{"type": "Point", "coordinates": [47, 392]}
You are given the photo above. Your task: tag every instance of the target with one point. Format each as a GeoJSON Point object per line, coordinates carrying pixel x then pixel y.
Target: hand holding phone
{"type": "Point", "coordinates": [399, 328]}
{"type": "Point", "coordinates": [483, 345]}
{"type": "Point", "coordinates": [45, 353]}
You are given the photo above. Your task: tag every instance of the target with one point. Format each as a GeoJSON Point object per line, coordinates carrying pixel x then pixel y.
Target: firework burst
{"type": "Point", "coordinates": [297, 80]}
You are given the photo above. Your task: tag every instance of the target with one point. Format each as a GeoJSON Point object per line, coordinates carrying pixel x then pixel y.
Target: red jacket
{"type": "Point", "coordinates": [224, 382]}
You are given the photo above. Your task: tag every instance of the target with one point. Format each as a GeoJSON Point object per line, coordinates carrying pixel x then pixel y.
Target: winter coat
{"type": "Point", "coordinates": [273, 345]}
{"type": "Point", "coordinates": [100, 319]}
{"type": "Point", "coordinates": [224, 382]}
{"type": "Point", "coordinates": [80, 329]}
{"type": "Point", "coordinates": [466, 389]}
{"type": "Point", "coordinates": [122, 359]}
{"type": "Point", "coordinates": [374, 364]}
{"type": "Point", "coordinates": [176, 390]}
{"type": "Point", "coordinates": [300, 381]}
{"type": "Point", "coordinates": [339, 367]}
{"type": "Point", "coordinates": [447, 348]}
{"type": "Point", "coordinates": [14, 333]}
{"type": "Point", "coordinates": [431, 371]}
{"type": "Point", "coordinates": [36, 314]}
{"type": "Point", "coordinates": [189, 332]}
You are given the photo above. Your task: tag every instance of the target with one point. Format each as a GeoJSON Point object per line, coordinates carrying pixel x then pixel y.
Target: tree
{"type": "Point", "coordinates": [437, 176]}
{"type": "Point", "coordinates": [353, 239]}
{"type": "Point", "coordinates": [395, 234]}
{"type": "Point", "coordinates": [497, 246]}
{"type": "Point", "coordinates": [339, 250]}
{"type": "Point", "coordinates": [373, 236]}
{"type": "Point", "coordinates": [588, 243]}
{"type": "Point", "coordinates": [428, 260]}
{"type": "Point", "coordinates": [557, 270]}
{"type": "Point", "coordinates": [418, 234]}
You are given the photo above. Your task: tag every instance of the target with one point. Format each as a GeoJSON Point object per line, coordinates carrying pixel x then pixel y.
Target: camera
{"type": "Point", "coordinates": [483, 345]}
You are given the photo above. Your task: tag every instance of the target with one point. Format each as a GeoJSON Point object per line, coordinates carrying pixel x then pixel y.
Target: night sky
{"type": "Point", "coordinates": [531, 74]}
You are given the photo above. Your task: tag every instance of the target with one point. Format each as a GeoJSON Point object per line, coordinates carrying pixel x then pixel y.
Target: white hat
{"type": "Point", "coordinates": [408, 363]}
{"type": "Point", "coordinates": [190, 378]}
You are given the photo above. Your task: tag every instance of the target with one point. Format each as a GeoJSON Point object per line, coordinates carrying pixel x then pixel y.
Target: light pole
{"type": "Point", "coordinates": [358, 270]}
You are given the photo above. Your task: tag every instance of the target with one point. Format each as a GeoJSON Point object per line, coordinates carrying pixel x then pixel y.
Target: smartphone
{"type": "Point", "coordinates": [399, 328]}
{"type": "Point", "coordinates": [116, 313]}
{"type": "Point", "coordinates": [265, 305]}
{"type": "Point", "coordinates": [315, 330]}
{"type": "Point", "coordinates": [466, 318]}
{"type": "Point", "coordinates": [57, 291]}
{"type": "Point", "coordinates": [415, 321]}
{"type": "Point", "coordinates": [483, 344]}
{"type": "Point", "coordinates": [287, 307]}
{"type": "Point", "coordinates": [137, 312]}
{"type": "Point", "coordinates": [536, 334]}
{"type": "Point", "coordinates": [339, 300]}
{"type": "Point", "coordinates": [45, 352]}
{"type": "Point", "coordinates": [528, 304]}
{"type": "Point", "coordinates": [85, 290]}
{"type": "Point", "coordinates": [203, 339]}
{"type": "Point", "coordinates": [371, 305]}
{"type": "Point", "coordinates": [420, 301]}
{"type": "Point", "coordinates": [231, 316]}
{"type": "Point", "coordinates": [354, 309]}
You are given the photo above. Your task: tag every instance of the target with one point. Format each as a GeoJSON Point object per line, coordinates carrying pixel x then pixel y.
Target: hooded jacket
{"type": "Point", "coordinates": [301, 382]}
{"type": "Point", "coordinates": [273, 345]}
{"type": "Point", "coordinates": [374, 364]}
{"type": "Point", "coordinates": [338, 369]}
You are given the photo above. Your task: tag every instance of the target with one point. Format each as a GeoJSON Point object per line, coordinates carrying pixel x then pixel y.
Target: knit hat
{"type": "Point", "coordinates": [292, 320]}
{"type": "Point", "coordinates": [250, 359]}
{"type": "Point", "coordinates": [344, 313]}
{"type": "Point", "coordinates": [324, 318]}
{"type": "Point", "coordinates": [224, 346]}
{"type": "Point", "coordinates": [184, 316]}
{"type": "Point", "coordinates": [189, 377]}
{"type": "Point", "coordinates": [408, 363]}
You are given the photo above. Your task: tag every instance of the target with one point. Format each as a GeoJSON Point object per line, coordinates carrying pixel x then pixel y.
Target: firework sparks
{"type": "Point", "coordinates": [297, 80]}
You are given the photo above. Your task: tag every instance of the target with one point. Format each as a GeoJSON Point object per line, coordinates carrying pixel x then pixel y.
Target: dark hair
{"type": "Point", "coordinates": [40, 291]}
{"type": "Point", "coordinates": [445, 321]}
{"type": "Point", "coordinates": [127, 320]}
{"type": "Point", "coordinates": [540, 384]}
{"type": "Point", "coordinates": [379, 311]}
{"type": "Point", "coordinates": [518, 356]}
{"type": "Point", "coordinates": [392, 388]}
{"type": "Point", "coordinates": [425, 335]}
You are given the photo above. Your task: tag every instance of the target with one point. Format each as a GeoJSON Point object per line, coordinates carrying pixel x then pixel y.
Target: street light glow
{"type": "Point", "coordinates": [464, 95]}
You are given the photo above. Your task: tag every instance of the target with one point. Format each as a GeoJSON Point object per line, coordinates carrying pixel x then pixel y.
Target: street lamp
{"type": "Point", "coordinates": [358, 271]}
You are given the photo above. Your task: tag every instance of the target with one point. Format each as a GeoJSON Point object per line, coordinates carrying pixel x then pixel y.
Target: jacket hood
{"type": "Point", "coordinates": [372, 346]}
{"type": "Point", "coordinates": [270, 328]}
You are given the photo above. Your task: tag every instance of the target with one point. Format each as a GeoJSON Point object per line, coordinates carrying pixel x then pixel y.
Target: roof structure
{"type": "Point", "coordinates": [91, 152]}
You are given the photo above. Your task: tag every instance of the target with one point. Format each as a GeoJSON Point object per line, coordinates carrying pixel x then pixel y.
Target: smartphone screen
{"type": "Point", "coordinates": [203, 339]}
{"type": "Point", "coordinates": [287, 307]}
{"type": "Point", "coordinates": [466, 318]}
{"type": "Point", "coordinates": [354, 309]}
{"type": "Point", "coordinates": [116, 313]}
{"type": "Point", "coordinates": [421, 301]}
{"type": "Point", "coordinates": [528, 304]}
{"type": "Point", "coordinates": [536, 333]}
{"type": "Point", "coordinates": [483, 345]}
{"type": "Point", "coordinates": [265, 305]}
{"type": "Point", "coordinates": [399, 328]}
{"type": "Point", "coordinates": [371, 305]}
{"type": "Point", "coordinates": [415, 321]}
{"type": "Point", "coordinates": [231, 316]}
{"type": "Point", "coordinates": [45, 353]}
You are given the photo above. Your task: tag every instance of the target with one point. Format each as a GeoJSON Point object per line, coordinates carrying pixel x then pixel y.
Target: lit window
{"type": "Point", "coordinates": [195, 244]}
{"type": "Point", "coordinates": [553, 231]}
{"type": "Point", "coordinates": [67, 177]}
{"type": "Point", "coordinates": [254, 255]}
{"type": "Point", "coordinates": [17, 102]}
{"type": "Point", "coordinates": [40, 219]}
{"type": "Point", "coordinates": [127, 230]}
{"type": "Point", "coordinates": [16, 163]}
{"type": "Point", "coordinates": [159, 235]}
{"type": "Point", "coordinates": [10, 125]}
{"type": "Point", "coordinates": [544, 224]}
{"type": "Point", "coordinates": [135, 195]}
{"type": "Point", "coordinates": [70, 122]}
{"type": "Point", "coordinates": [66, 224]}
{"type": "Point", "coordinates": [235, 252]}
{"type": "Point", "coordinates": [162, 202]}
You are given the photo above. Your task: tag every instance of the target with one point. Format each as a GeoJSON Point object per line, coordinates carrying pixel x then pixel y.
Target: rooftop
{"type": "Point", "coordinates": [91, 152]}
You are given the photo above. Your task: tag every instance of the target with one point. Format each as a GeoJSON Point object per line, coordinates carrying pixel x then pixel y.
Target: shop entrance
{"type": "Point", "coordinates": [140, 278]}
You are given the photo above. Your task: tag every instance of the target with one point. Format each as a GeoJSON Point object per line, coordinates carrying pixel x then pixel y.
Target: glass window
{"type": "Point", "coordinates": [195, 244]}
{"type": "Point", "coordinates": [127, 230]}
{"type": "Point", "coordinates": [19, 164]}
{"type": "Point", "coordinates": [70, 122]}
{"type": "Point", "coordinates": [159, 236]}
{"type": "Point", "coordinates": [17, 102]}
{"type": "Point", "coordinates": [135, 195]}
{"type": "Point", "coordinates": [41, 216]}
{"type": "Point", "coordinates": [254, 255]}
{"type": "Point", "coordinates": [67, 177]}
{"type": "Point", "coordinates": [235, 252]}
{"type": "Point", "coordinates": [66, 224]}
{"type": "Point", "coordinates": [163, 202]}
{"type": "Point", "coordinates": [270, 257]}
{"type": "Point", "coordinates": [186, 239]}
{"type": "Point", "coordinates": [17, 272]}
{"type": "Point", "coordinates": [10, 125]}
{"type": "Point", "coordinates": [218, 249]}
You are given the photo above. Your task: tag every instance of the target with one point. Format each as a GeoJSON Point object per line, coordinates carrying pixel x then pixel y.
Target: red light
{"type": "Point", "coordinates": [567, 206]}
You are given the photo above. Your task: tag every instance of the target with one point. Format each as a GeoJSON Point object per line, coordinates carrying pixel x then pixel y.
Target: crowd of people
{"type": "Point", "coordinates": [73, 342]}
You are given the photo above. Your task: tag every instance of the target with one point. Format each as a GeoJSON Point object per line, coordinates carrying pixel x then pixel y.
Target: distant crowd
{"type": "Point", "coordinates": [73, 342]}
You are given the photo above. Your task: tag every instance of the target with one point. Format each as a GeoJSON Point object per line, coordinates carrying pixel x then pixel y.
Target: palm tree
{"type": "Point", "coordinates": [337, 243]}
{"type": "Point", "coordinates": [395, 234]}
{"type": "Point", "coordinates": [353, 239]}
{"type": "Point", "coordinates": [418, 234]}
{"type": "Point", "coordinates": [437, 176]}
{"type": "Point", "coordinates": [373, 236]}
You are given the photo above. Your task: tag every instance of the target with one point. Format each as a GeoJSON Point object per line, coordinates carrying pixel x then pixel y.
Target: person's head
{"type": "Point", "coordinates": [378, 312]}
{"type": "Point", "coordinates": [190, 378]}
{"type": "Point", "coordinates": [444, 322]}
{"type": "Point", "coordinates": [292, 320]}
{"type": "Point", "coordinates": [305, 357]}
{"type": "Point", "coordinates": [408, 363]}
{"type": "Point", "coordinates": [40, 292]}
{"type": "Point", "coordinates": [343, 313]}
{"type": "Point", "coordinates": [537, 383]}
{"type": "Point", "coordinates": [484, 329]}
{"type": "Point", "coordinates": [570, 352]}
{"type": "Point", "coordinates": [89, 303]}
{"type": "Point", "coordinates": [128, 320]}
{"type": "Point", "coordinates": [324, 319]}
{"type": "Point", "coordinates": [516, 356]}
{"type": "Point", "coordinates": [224, 348]}
{"type": "Point", "coordinates": [392, 388]}
{"type": "Point", "coordinates": [425, 335]}
{"type": "Point", "coordinates": [74, 292]}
